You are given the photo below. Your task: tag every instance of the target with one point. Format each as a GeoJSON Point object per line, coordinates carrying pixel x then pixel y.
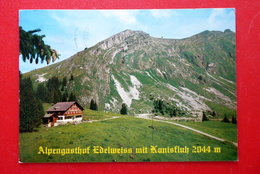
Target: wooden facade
{"type": "Point", "coordinates": [62, 113]}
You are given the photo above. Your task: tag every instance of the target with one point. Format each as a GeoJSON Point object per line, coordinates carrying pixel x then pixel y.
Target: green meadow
{"type": "Point", "coordinates": [133, 138]}
{"type": "Point", "coordinates": [227, 131]}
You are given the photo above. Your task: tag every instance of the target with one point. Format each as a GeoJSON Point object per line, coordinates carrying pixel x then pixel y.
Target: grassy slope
{"type": "Point", "coordinates": [128, 132]}
{"type": "Point", "coordinates": [227, 131]}
{"type": "Point", "coordinates": [97, 115]}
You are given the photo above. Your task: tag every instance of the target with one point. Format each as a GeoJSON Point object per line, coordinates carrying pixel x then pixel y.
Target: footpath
{"type": "Point", "coordinates": [143, 116]}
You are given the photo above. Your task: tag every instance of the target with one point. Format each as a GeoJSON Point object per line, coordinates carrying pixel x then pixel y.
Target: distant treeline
{"type": "Point", "coordinates": [165, 108]}
{"type": "Point", "coordinates": [55, 91]}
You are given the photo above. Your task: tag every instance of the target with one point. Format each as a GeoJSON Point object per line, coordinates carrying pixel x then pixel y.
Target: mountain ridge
{"type": "Point", "coordinates": [194, 74]}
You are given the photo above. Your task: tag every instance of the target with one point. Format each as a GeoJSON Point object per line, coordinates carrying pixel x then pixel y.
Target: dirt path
{"type": "Point", "coordinates": [195, 130]}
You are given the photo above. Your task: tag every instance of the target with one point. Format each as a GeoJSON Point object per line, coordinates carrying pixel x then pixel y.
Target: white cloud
{"type": "Point", "coordinates": [163, 13]}
{"type": "Point", "coordinates": [87, 27]}
{"type": "Point", "coordinates": [221, 19]}
{"type": "Point", "coordinates": [215, 14]}
{"type": "Point", "coordinates": [124, 16]}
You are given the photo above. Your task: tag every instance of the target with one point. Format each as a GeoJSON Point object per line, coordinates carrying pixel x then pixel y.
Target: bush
{"type": "Point", "coordinates": [225, 119]}
{"type": "Point", "coordinates": [123, 111]}
{"type": "Point", "coordinates": [234, 120]}
{"type": "Point", "coordinates": [204, 117]}
{"type": "Point", "coordinates": [93, 105]}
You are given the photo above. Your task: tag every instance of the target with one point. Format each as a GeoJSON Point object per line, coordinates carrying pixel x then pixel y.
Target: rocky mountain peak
{"type": "Point", "coordinates": [189, 75]}
{"type": "Point", "coordinates": [121, 37]}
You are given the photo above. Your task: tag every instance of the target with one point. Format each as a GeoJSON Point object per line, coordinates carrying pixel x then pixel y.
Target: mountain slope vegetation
{"type": "Point", "coordinates": [189, 76]}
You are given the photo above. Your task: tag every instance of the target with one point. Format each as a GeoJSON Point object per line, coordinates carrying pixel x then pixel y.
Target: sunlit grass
{"type": "Point", "coordinates": [126, 132]}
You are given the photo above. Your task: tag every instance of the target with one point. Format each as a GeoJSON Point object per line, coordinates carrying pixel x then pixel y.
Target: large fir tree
{"type": "Point", "coordinates": [72, 97]}
{"type": "Point", "coordinates": [31, 109]}
{"type": "Point", "coordinates": [41, 92]}
{"type": "Point", "coordinates": [64, 97]}
{"type": "Point", "coordinates": [64, 81]}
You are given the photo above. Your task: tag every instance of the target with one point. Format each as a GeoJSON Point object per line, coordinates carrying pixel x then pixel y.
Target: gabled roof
{"type": "Point", "coordinates": [48, 115]}
{"type": "Point", "coordinates": [63, 106]}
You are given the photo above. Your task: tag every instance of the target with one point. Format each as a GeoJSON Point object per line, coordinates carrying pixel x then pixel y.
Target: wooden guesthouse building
{"type": "Point", "coordinates": [62, 113]}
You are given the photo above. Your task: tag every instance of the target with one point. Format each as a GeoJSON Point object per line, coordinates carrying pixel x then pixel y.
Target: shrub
{"type": "Point", "coordinates": [204, 117]}
{"type": "Point", "coordinates": [225, 119]}
{"type": "Point", "coordinates": [123, 111]}
{"type": "Point", "coordinates": [234, 120]}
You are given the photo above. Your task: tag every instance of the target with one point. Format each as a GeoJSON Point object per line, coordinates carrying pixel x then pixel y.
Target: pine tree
{"type": "Point", "coordinates": [66, 94]}
{"type": "Point", "coordinates": [173, 112]}
{"type": "Point", "coordinates": [54, 93]}
{"type": "Point", "coordinates": [72, 97]}
{"type": "Point", "coordinates": [204, 117]}
{"type": "Point", "coordinates": [57, 97]}
{"type": "Point", "coordinates": [53, 84]}
{"type": "Point", "coordinates": [32, 47]}
{"type": "Point", "coordinates": [62, 88]}
{"type": "Point", "coordinates": [31, 109]}
{"type": "Point", "coordinates": [71, 77]}
{"type": "Point", "coordinates": [41, 92]}
{"type": "Point", "coordinates": [123, 110]}
{"type": "Point", "coordinates": [64, 81]}
{"type": "Point", "coordinates": [64, 97]}
{"type": "Point", "coordinates": [49, 96]}
{"type": "Point", "coordinates": [234, 120]}
{"type": "Point", "coordinates": [225, 119]}
{"type": "Point", "coordinates": [160, 105]}
{"type": "Point", "coordinates": [39, 113]}
{"type": "Point", "coordinates": [92, 103]}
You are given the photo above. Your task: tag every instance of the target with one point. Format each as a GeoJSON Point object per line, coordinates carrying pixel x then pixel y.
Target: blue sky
{"type": "Point", "coordinates": [71, 31]}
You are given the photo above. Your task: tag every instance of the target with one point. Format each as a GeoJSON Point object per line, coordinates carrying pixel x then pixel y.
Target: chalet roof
{"type": "Point", "coordinates": [47, 115]}
{"type": "Point", "coordinates": [63, 106]}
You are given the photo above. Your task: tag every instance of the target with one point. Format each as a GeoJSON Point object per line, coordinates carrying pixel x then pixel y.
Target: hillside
{"type": "Point", "coordinates": [191, 75]}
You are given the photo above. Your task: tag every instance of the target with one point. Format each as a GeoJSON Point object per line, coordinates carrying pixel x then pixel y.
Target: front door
{"type": "Point", "coordinates": [52, 120]}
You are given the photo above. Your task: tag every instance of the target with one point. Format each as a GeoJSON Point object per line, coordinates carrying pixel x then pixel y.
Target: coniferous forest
{"type": "Point", "coordinates": [31, 100]}
{"type": "Point", "coordinates": [31, 109]}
